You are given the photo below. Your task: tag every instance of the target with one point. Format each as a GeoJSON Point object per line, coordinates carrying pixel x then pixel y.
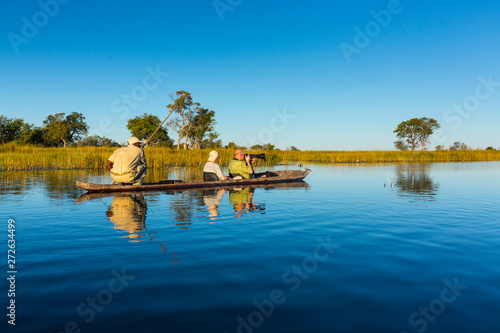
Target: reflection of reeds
{"type": "Point", "coordinates": [13, 157]}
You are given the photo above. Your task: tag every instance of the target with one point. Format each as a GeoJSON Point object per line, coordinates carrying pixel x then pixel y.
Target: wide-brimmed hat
{"type": "Point", "coordinates": [213, 156]}
{"type": "Point", "coordinates": [133, 140]}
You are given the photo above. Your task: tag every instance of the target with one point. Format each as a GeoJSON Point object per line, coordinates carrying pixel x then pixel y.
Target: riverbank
{"type": "Point", "coordinates": [16, 158]}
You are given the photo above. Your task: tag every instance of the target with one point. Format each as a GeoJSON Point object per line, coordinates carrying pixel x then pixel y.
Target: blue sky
{"type": "Point", "coordinates": [318, 75]}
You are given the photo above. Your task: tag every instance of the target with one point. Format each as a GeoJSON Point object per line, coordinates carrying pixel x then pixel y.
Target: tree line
{"type": "Point", "coordinates": [57, 130]}
{"type": "Point", "coordinates": [193, 124]}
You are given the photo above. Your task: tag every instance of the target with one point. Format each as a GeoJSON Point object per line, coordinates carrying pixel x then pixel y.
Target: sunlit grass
{"type": "Point", "coordinates": [13, 157]}
{"type": "Point", "coordinates": [389, 156]}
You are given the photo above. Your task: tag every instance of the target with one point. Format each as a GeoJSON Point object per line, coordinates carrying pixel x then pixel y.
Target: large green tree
{"type": "Point", "coordinates": [416, 131]}
{"type": "Point", "coordinates": [30, 134]}
{"type": "Point", "coordinates": [59, 128]}
{"type": "Point", "coordinates": [144, 126]}
{"type": "Point", "coordinates": [18, 131]}
{"type": "Point", "coordinates": [10, 128]}
{"type": "Point", "coordinates": [202, 130]}
{"type": "Point", "coordinates": [184, 108]}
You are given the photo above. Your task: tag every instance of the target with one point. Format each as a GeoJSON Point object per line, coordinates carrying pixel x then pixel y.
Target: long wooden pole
{"type": "Point", "coordinates": [146, 142]}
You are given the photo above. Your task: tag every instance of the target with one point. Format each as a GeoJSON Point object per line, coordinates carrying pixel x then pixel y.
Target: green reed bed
{"type": "Point", "coordinates": [387, 156]}
{"type": "Point", "coordinates": [13, 157]}
{"type": "Point", "coordinates": [38, 158]}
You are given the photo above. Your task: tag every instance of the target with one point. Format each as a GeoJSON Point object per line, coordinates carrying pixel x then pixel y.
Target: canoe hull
{"type": "Point", "coordinates": [299, 184]}
{"type": "Point", "coordinates": [280, 177]}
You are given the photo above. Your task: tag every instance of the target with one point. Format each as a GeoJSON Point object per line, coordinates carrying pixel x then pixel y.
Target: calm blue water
{"type": "Point", "coordinates": [357, 248]}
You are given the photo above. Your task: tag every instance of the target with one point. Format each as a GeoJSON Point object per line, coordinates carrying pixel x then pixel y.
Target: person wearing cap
{"type": "Point", "coordinates": [212, 166]}
{"type": "Point", "coordinates": [128, 164]}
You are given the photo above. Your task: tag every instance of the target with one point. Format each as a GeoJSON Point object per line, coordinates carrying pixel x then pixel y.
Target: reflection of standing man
{"type": "Point", "coordinates": [128, 164]}
{"type": "Point", "coordinates": [128, 213]}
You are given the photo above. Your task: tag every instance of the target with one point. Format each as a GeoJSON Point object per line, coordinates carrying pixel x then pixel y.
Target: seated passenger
{"type": "Point", "coordinates": [240, 166]}
{"type": "Point", "coordinates": [212, 167]}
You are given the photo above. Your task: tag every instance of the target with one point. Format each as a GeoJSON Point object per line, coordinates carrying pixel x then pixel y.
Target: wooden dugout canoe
{"type": "Point", "coordinates": [272, 177]}
{"type": "Point", "coordinates": [299, 184]}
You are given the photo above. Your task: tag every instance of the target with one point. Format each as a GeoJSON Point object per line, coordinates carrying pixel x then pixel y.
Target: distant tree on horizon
{"type": "Point", "coordinates": [457, 145]}
{"type": "Point", "coordinates": [267, 146]}
{"type": "Point", "coordinates": [214, 144]}
{"type": "Point", "coordinates": [231, 145]}
{"type": "Point", "coordinates": [416, 131]}
{"type": "Point", "coordinates": [97, 141]}
{"type": "Point", "coordinates": [234, 146]}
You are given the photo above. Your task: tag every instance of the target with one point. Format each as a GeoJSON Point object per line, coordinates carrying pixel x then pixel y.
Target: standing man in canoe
{"type": "Point", "coordinates": [128, 164]}
{"type": "Point", "coordinates": [240, 165]}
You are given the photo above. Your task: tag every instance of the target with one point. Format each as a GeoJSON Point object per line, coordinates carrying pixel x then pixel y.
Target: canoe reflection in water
{"type": "Point", "coordinates": [127, 210]}
{"type": "Point", "coordinates": [128, 213]}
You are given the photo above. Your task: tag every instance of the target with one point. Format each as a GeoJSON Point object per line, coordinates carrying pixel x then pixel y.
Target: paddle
{"type": "Point", "coordinates": [146, 142]}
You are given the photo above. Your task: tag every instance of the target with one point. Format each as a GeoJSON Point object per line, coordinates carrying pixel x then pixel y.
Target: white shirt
{"type": "Point", "coordinates": [213, 167]}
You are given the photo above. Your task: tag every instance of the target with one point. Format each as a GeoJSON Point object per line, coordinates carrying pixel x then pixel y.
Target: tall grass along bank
{"type": "Point", "coordinates": [14, 158]}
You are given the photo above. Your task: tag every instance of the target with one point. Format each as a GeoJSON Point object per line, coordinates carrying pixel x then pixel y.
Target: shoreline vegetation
{"type": "Point", "coordinates": [26, 158]}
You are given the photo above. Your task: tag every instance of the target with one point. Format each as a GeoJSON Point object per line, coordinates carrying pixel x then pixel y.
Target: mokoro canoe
{"type": "Point", "coordinates": [274, 186]}
{"type": "Point", "coordinates": [272, 177]}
